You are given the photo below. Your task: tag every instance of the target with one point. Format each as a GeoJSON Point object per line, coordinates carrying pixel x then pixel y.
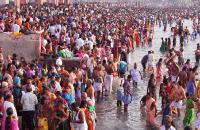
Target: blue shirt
{"type": "Point", "coordinates": [122, 66]}
{"type": "Point", "coordinates": [17, 81]}
{"type": "Point", "coordinates": [69, 97]}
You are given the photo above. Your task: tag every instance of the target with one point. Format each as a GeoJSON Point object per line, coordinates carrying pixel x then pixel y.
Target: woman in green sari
{"type": "Point", "coordinates": [62, 117]}
{"type": "Point", "coordinates": [189, 114]}
{"type": "Point", "coordinates": [162, 47]}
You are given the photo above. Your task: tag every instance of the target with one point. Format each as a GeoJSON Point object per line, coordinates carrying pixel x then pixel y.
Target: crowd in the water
{"type": "Point", "coordinates": [102, 36]}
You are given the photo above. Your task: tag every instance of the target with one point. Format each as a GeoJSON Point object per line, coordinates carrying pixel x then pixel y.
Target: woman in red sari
{"type": "Point", "coordinates": [159, 72]}
{"type": "Point", "coordinates": [137, 38]}
{"type": "Point", "coordinates": [151, 111]}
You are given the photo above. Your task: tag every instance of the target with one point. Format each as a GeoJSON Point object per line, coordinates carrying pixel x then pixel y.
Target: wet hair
{"type": "Point", "coordinates": [74, 106]}
{"type": "Point", "coordinates": [188, 60]}
{"type": "Point", "coordinates": [135, 65]}
{"type": "Point", "coordinates": [187, 94]}
{"type": "Point", "coordinates": [194, 69]}
{"type": "Point", "coordinates": [160, 60]}
{"type": "Point", "coordinates": [104, 62]}
{"type": "Point", "coordinates": [9, 112]}
{"type": "Point", "coordinates": [83, 103]}
{"type": "Point", "coordinates": [129, 77]}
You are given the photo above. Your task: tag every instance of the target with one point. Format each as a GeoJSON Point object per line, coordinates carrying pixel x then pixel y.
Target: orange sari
{"type": "Point", "coordinates": [88, 119]}
{"type": "Point", "coordinates": [151, 112]}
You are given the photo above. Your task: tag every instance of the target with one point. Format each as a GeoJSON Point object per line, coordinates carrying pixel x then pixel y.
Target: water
{"type": "Point", "coordinates": [109, 117]}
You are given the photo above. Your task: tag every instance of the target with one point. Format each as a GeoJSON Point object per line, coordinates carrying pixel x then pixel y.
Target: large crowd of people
{"type": "Point", "coordinates": [102, 36]}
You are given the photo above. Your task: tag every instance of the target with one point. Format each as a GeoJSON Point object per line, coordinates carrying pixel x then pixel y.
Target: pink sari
{"type": "Point", "coordinates": [150, 118]}
{"type": "Point", "coordinates": [14, 124]}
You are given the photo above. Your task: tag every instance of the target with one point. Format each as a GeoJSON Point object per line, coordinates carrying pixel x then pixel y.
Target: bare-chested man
{"type": "Point", "coordinates": [182, 77]}
{"type": "Point", "coordinates": [178, 95]}
{"type": "Point", "coordinates": [174, 71]}
{"type": "Point", "coordinates": [191, 86]}
{"type": "Point", "coordinates": [108, 80]}
{"type": "Point", "coordinates": [98, 75]}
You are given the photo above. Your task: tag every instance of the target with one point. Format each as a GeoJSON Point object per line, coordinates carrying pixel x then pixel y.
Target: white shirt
{"type": "Point", "coordinates": [57, 34]}
{"type": "Point", "coordinates": [135, 75]}
{"type": "Point", "coordinates": [52, 30]}
{"type": "Point", "coordinates": [67, 40]}
{"type": "Point", "coordinates": [79, 43]}
{"type": "Point", "coordinates": [58, 87]}
{"type": "Point", "coordinates": [73, 24]}
{"type": "Point", "coordinates": [150, 59]}
{"type": "Point", "coordinates": [163, 128]}
{"type": "Point", "coordinates": [28, 101]}
{"type": "Point", "coordinates": [44, 43]}
{"type": "Point", "coordinates": [33, 87]}
{"type": "Point", "coordinates": [90, 44]}
{"type": "Point", "coordinates": [7, 105]}
{"type": "Point", "coordinates": [15, 28]}
{"type": "Point", "coordinates": [90, 64]}
{"type": "Point", "coordinates": [58, 26]}
{"type": "Point", "coordinates": [76, 36]}
{"type": "Point", "coordinates": [59, 61]}
{"type": "Point", "coordinates": [63, 29]}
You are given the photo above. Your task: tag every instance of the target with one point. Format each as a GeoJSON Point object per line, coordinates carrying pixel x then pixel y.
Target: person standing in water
{"type": "Point", "coordinates": [144, 61]}
{"type": "Point", "coordinates": [191, 86]}
{"type": "Point", "coordinates": [151, 110]}
{"type": "Point", "coordinates": [79, 121]}
{"type": "Point", "coordinates": [162, 47]}
{"type": "Point", "coordinates": [108, 81]}
{"type": "Point", "coordinates": [197, 54]}
{"type": "Point", "coordinates": [159, 73]}
{"type": "Point", "coordinates": [151, 88]}
{"type": "Point", "coordinates": [183, 77]}
{"type": "Point", "coordinates": [150, 63]}
{"type": "Point", "coordinates": [136, 75]}
{"type": "Point", "coordinates": [127, 93]}
{"type": "Point", "coordinates": [168, 123]}
{"type": "Point", "coordinates": [178, 97]}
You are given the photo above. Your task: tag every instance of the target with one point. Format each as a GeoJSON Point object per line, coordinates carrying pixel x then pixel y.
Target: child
{"type": "Point", "coordinates": [119, 96]}
{"type": "Point", "coordinates": [11, 122]}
